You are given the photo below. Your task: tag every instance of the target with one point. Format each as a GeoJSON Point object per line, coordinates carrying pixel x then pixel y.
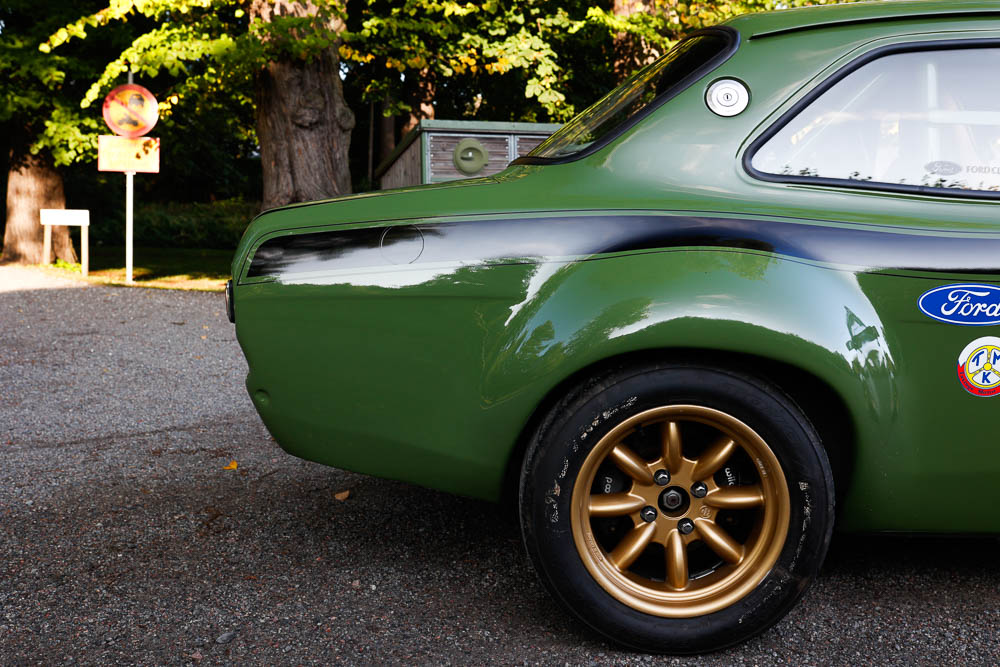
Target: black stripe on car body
{"type": "Point", "coordinates": [530, 240]}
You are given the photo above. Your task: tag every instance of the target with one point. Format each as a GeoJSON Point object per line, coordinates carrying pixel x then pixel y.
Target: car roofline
{"type": "Point", "coordinates": [772, 24]}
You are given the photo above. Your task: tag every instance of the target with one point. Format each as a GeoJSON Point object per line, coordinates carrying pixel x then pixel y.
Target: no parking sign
{"type": "Point", "coordinates": [130, 111]}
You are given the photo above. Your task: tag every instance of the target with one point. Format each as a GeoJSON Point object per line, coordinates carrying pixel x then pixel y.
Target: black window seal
{"type": "Point", "coordinates": [835, 78]}
{"type": "Point", "coordinates": [733, 45]}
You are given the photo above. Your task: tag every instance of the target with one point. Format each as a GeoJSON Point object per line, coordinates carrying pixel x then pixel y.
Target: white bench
{"type": "Point", "coordinates": [75, 217]}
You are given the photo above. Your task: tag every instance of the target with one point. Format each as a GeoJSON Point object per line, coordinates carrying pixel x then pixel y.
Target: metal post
{"type": "Point", "coordinates": [47, 245]}
{"type": "Point", "coordinates": [128, 212]}
{"type": "Point", "coordinates": [128, 226]}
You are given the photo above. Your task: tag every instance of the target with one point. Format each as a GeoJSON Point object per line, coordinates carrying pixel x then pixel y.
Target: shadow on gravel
{"type": "Point", "coordinates": [944, 556]}
{"type": "Point", "coordinates": [157, 566]}
{"type": "Point", "coordinates": [125, 539]}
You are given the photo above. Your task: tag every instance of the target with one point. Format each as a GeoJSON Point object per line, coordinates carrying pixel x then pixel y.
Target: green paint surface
{"type": "Point", "coordinates": [432, 374]}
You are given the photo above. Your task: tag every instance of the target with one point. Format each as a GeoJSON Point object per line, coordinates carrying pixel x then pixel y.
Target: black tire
{"type": "Point", "coordinates": [739, 598]}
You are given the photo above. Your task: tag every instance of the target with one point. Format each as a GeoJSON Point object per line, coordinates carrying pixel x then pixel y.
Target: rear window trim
{"type": "Point", "coordinates": [725, 54]}
{"type": "Point", "coordinates": [835, 78]}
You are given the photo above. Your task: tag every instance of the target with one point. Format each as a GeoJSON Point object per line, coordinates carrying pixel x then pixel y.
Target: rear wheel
{"type": "Point", "coordinates": [676, 508]}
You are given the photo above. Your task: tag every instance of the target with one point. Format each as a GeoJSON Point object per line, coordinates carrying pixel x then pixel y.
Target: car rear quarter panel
{"type": "Point", "coordinates": [432, 377]}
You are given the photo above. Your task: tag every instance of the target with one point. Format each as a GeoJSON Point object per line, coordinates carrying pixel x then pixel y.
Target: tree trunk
{"type": "Point", "coordinates": [423, 106]}
{"type": "Point", "coordinates": [630, 52]}
{"type": "Point", "coordinates": [34, 185]}
{"type": "Point", "coordinates": [386, 135]}
{"type": "Point", "coordinates": [303, 123]}
{"type": "Point", "coordinates": [5, 157]}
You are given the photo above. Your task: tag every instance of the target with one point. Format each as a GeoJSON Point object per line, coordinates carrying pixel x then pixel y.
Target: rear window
{"type": "Point", "coordinates": [638, 95]}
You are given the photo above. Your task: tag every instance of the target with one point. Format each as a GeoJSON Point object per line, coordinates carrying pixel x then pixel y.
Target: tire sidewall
{"type": "Point", "coordinates": [561, 445]}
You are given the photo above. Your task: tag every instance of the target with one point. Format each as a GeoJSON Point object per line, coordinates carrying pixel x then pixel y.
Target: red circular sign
{"type": "Point", "coordinates": [130, 111]}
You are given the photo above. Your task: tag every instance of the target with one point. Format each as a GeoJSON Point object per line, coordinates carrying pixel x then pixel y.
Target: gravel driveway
{"type": "Point", "coordinates": [124, 538]}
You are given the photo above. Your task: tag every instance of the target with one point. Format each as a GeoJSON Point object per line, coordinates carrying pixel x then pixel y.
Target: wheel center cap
{"type": "Point", "coordinates": [674, 501]}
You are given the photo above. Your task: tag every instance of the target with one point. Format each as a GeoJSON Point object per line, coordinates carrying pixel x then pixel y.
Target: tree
{"type": "Point", "coordinates": [285, 51]}
{"type": "Point", "coordinates": [291, 55]}
{"type": "Point", "coordinates": [420, 59]}
{"type": "Point", "coordinates": [645, 29]}
{"type": "Point", "coordinates": [298, 62]}
{"type": "Point", "coordinates": [403, 53]}
{"type": "Point", "coordinates": [35, 90]}
{"type": "Point", "coordinates": [303, 123]}
{"type": "Point", "coordinates": [532, 60]}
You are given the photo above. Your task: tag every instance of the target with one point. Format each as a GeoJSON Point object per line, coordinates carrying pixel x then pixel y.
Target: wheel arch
{"type": "Point", "coordinates": [825, 408]}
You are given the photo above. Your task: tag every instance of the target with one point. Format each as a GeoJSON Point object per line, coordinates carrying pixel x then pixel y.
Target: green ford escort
{"type": "Point", "coordinates": [751, 294]}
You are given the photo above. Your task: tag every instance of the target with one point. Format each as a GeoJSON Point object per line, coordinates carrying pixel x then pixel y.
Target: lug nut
{"type": "Point", "coordinates": [672, 499]}
{"type": "Point", "coordinates": [661, 477]}
{"type": "Point", "coordinates": [699, 490]}
{"type": "Point", "coordinates": [685, 526]}
{"type": "Point", "coordinates": [648, 514]}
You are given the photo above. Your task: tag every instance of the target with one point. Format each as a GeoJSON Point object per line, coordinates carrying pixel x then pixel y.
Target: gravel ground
{"type": "Point", "coordinates": [123, 538]}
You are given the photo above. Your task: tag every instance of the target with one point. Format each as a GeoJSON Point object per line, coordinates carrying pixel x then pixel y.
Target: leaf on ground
{"type": "Point", "coordinates": [232, 465]}
{"type": "Point", "coordinates": [342, 495]}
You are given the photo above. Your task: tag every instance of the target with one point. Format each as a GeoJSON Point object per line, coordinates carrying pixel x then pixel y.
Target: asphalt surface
{"type": "Point", "coordinates": [124, 538]}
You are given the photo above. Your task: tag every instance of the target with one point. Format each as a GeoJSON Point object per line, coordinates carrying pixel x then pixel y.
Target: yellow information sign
{"type": "Point", "coordinates": [121, 154]}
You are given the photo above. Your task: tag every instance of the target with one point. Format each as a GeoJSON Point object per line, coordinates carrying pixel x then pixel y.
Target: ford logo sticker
{"type": "Point", "coordinates": [967, 304]}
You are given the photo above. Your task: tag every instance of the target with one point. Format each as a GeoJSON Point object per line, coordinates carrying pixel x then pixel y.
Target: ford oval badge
{"type": "Point", "coordinates": [968, 304]}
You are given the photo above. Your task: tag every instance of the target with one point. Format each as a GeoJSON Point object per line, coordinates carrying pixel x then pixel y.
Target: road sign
{"type": "Point", "coordinates": [130, 111]}
{"type": "Point", "coordinates": [128, 155]}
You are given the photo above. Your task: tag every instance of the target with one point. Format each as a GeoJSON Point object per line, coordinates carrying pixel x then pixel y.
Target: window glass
{"type": "Point", "coordinates": [928, 118]}
{"type": "Point", "coordinates": [633, 95]}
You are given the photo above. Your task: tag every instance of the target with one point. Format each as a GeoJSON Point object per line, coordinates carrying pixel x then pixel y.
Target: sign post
{"type": "Point", "coordinates": [130, 111]}
{"type": "Point", "coordinates": [128, 225]}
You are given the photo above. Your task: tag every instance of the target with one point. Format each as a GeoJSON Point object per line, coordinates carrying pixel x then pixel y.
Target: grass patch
{"type": "Point", "coordinates": [171, 268]}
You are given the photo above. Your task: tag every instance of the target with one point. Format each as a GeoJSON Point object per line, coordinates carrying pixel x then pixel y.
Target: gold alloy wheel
{"type": "Point", "coordinates": [673, 503]}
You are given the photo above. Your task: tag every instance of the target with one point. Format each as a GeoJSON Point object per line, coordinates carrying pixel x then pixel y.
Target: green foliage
{"type": "Point", "coordinates": [73, 267]}
{"type": "Point", "coordinates": [188, 45]}
{"type": "Point", "coordinates": [444, 40]}
{"type": "Point", "coordinates": [212, 43]}
{"type": "Point", "coordinates": [194, 225]}
{"type": "Point", "coordinates": [663, 22]}
{"type": "Point", "coordinates": [39, 93]}
{"type": "Point", "coordinates": [69, 135]}
{"type": "Point", "coordinates": [534, 60]}
{"type": "Point", "coordinates": [23, 65]}
{"type": "Point", "coordinates": [515, 59]}
{"type": "Point", "coordinates": [182, 225]}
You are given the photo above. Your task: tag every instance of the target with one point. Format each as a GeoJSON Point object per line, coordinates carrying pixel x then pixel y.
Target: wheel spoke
{"type": "Point", "coordinates": [631, 464]}
{"type": "Point", "coordinates": [672, 447]}
{"type": "Point", "coordinates": [615, 504]}
{"type": "Point", "coordinates": [713, 458]}
{"type": "Point", "coordinates": [736, 498]}
{"type": "Point", "coordinates": [718, 541]}
{"type": "Point", "coordinates": [677, 560]}
{"type": "Point", "coordinates": [632, 545]}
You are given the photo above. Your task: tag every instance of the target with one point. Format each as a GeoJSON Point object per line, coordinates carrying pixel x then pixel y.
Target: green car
{"type": "Point", "coordinates": [752, 293]}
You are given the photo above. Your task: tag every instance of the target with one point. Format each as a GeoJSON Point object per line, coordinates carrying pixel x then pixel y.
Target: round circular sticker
{"type": "Point", "coordinates": [130, 111]}
{"type": "Point", "coordinates": [979, 366]}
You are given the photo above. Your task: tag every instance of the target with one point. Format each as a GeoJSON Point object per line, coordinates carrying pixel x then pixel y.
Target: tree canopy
{"type": "Point", "coordinates": [528, 60]}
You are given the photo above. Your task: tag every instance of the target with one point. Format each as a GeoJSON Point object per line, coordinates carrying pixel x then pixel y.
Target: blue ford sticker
{"type": "Point", "coordinates": [967, 304]}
